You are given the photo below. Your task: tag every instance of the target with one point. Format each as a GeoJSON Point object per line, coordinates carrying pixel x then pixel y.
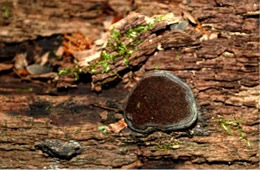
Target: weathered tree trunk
{"type": "Point", "coordinates": [221, 68]}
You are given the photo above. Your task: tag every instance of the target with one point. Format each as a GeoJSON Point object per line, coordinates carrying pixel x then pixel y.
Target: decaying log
{"type": "Point", "coordinates": [134, 39]}
{"type": "Point", "coordinates": [220, 63]}
{"type": "Point", "coordinates": [22, 21]}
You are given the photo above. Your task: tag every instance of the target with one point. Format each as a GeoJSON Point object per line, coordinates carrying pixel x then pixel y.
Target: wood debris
{"type": "Point", "coordinates": [75, 42]}
{"type": "Point", "coordinates": [118, 126]}
{"type": "Point", "coordinates": [4, 67]}
{"type": "Point", "coordinates": [20, 63]}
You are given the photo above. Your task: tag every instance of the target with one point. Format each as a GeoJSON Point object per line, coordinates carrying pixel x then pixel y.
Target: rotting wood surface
{"type": "Point", "coordinates": [223, 73]}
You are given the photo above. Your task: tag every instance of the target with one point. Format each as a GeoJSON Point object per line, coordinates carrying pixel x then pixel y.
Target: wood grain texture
{"type": "Point", "coordinates": [223, 73]}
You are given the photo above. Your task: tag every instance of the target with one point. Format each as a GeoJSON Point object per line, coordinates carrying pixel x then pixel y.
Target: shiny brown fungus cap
{"type": "Point", "coordinates": [160, 101]}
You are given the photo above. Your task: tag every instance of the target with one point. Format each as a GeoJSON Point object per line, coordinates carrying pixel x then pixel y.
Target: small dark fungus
{"type": "Point", "coordinates": [160, 101]}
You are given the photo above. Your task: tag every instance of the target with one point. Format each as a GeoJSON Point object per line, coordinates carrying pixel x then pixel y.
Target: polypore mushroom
{"type": "Point", "coordinates": [160, 101]}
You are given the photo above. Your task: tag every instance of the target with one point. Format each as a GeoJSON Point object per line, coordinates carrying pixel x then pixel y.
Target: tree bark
{"type": "Point", "coordinates": [222, 69]}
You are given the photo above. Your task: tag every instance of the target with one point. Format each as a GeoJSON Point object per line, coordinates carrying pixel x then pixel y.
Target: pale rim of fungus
{"type": "Point", "coordinates": [183, 124]}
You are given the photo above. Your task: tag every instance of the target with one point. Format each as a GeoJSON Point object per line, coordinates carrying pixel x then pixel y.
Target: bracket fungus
{"type": "Point", "coordinates": [160, 101]}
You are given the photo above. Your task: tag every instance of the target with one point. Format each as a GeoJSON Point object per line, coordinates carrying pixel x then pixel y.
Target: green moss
{"type": "Point", "coordinates": [168, 146]}
{"type": "Point", "coordinates": [93, 68]}
{"type": "Point", "coordinates": [122, 49]}
{"type": "Point", "coordinates": [134, 32]}
{"type": "Point", "coordinates": [160, 18]}
{"type": "Point", "coordinates": [64, 71]}
{"type": "Point", "coordinates": [115, 34]}
{"type": "Point", "coordinates": [102, 129]}
{"type": "Point", "coordinates": [6, 12]}
{"type": "Point", "coordinates": [119, 48]}
{"type": "Point", "coordinates": [105, 66]}
{"type": "Point", "coordinates": [76, 75]}
{"type": "Point", "coordinates": [107, 56]}
{"type": "Point", "coordinates": [126, 61]}
{"type": "Point", "coordinates": [131, 33]}
{"type": "Point", "coordinates": [68, 71]}
{"type": "Point", "coordinates": [228, 125]}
